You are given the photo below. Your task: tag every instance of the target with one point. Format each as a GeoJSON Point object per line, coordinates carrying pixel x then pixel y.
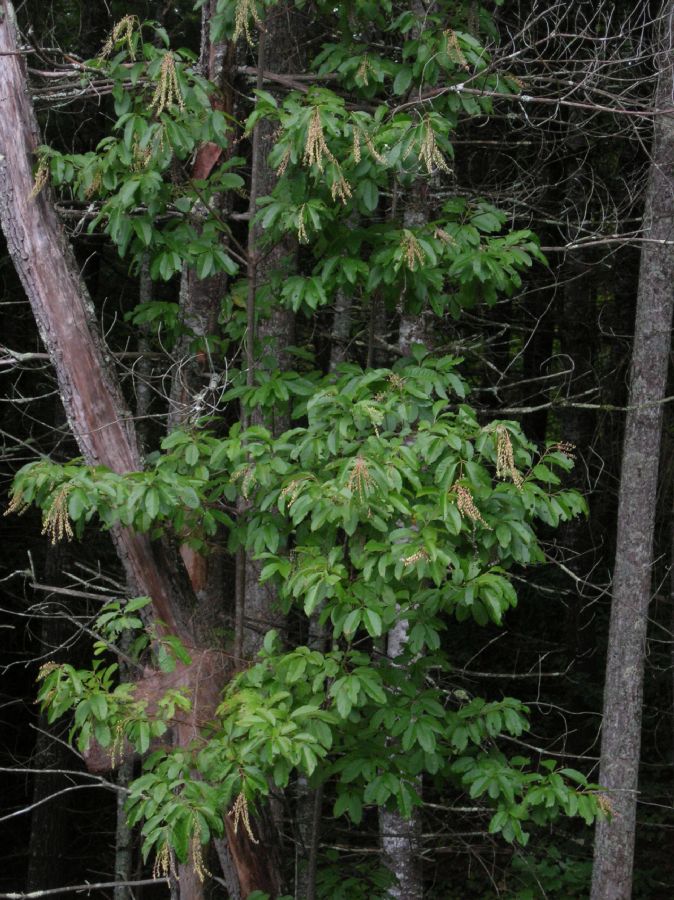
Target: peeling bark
{"type": "Point", "coordinates": [92, 399]}
{"type": "Point", "coordinates": [96, 412]}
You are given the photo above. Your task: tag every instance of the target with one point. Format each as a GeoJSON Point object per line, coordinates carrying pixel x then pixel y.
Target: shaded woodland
{"type": "Point", "coordinates": [473, 200]}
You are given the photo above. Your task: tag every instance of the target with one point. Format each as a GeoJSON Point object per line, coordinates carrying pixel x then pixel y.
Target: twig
{"type": "Point", "coordinates": [83, 888]}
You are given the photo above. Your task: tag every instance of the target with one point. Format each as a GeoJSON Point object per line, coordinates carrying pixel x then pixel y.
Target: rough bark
{"type": "Point", "coordinates": [89, 389]}
{"type": "Point", "coordinates": [195, 385]}
{"type": "Point", "coordinates": [200, 297]}
{"type": "Point", "coordinates": [284, 53]}
{"type": "Point", "coordinates": [123, 837]}
{"type": "Point", "coordinates": [623, 692]}
{"type": "Point", "coordinates": [92, 399]}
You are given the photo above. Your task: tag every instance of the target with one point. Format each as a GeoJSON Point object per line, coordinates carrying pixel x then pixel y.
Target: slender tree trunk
{"type": "Point", "coordinates": [284, 52]}
{"type": "Point", "coordinates": [341, 329]}
{"type": "Point", "coordinates": [143, 368]}
{"type": "Point", "coordinates": [400, 838]}
{"type": "Point", "coordinates": [623, 692]}
{"type": "Point", "coordinates": [123, 835]}
{"type": "Point", "coordinates": [309, 803]}
{"type": "Point", "coordinates": [49, 820]}
{"type": "Point", "coordinates": [196, 386]}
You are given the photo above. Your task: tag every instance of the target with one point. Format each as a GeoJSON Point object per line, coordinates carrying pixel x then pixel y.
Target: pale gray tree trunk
{"type": "Point", "coordinates": [623, 691]}
{"type": "Point", "coordinates": [400, 838]}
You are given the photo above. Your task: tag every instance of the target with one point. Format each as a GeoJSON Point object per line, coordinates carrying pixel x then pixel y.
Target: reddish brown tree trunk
{"type": "Point", "coordinates": [93, 402]}
{"type": "Point", "coordinates": [88, 385]}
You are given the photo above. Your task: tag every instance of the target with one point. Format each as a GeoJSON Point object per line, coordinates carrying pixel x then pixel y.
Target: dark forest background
{"type": "Point", "coordinates": [556, 357]}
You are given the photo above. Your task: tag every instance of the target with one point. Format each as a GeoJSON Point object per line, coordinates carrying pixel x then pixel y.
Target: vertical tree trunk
{"type": "Point", "coordinates": [195, 386]}
{"type": "Point", "coordinates": [284, 52]}
{"type": "Point", "coordinates": [49, 820]}
{"type": "Point", "coordinates": [400, 838]}
{"type": "Point", "coordinates": [200, 297]}
{"type": "Point", "coordinates": [341, 329]}
{"type": "Point", "coordinates": [621, 734]}
{"type": "Point", "coordinates": [123, 835]}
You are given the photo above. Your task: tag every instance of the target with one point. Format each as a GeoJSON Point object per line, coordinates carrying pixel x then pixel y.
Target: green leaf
{"type": "Point", "coordinates": [369, 194]}
{"type": "Point", "coordinates": [402, 80]}
{"type": "Point", "coordinates": [504, 535]}
{"type": "Point", "coordinates": [99, 706]}
{"type": "Point", "coordinates": [78, 503]}
{"type": "Point", "coordinates": [152, 503]}
{"type": "Point", "coordinates": [372, 622]}
{"type": "Point", "coordinates": [143, 742]}
{"type": "Point", "coordinates": [352, 622]}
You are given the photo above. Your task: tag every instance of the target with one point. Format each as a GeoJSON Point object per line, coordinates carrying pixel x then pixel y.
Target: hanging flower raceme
{"type": "Point", "coordinates": [505, 459]}
{"type": "Point", "coordinates": [168, 90]}
{"type": "Point", "coordinates": [466, 505]}
{"type": "Point", "coordinates": [240, 814]}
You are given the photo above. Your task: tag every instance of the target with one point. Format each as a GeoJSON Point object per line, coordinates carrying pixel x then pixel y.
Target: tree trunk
{"type": "Point", "coordinates": [341, 329]}
{"type": "Point", "coordinates": [47, 849]}
{"type": "Point", "coordinates": [623, 691]}
{"type": "Point", "coordinates": [196, 386]}
{"type": "Point", "coordinates": [200, 297]}
{"type": "Point", "coordinates": [123, 836]}
{"type": "Point", "coordinates": [283, 53]}
{"type": "Point", "coordinates": [400, 838]}
{"type": "Point", "coordinates": [89, 388]}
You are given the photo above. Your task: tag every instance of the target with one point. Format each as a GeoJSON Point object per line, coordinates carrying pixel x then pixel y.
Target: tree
{"type": "Point", "coordinates": [386, 493]}
{"type": "Point", "coordinates": [93, 402]}
{"type": "Point", "coordinates": [632, 577]}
